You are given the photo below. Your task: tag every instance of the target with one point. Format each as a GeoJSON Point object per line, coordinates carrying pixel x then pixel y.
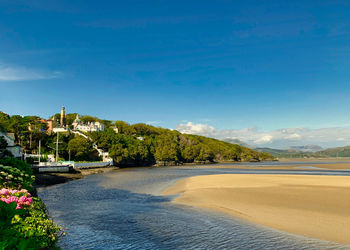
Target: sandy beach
{"type": "Point", "coordinates": [312, 206]}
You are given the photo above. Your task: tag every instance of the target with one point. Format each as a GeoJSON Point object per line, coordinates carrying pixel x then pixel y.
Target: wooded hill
{"type": "Point", "coordinates": [284, 153]}
{"type": "Point", "coordinates": [134, 145]}
{"type": "Point", "coordinates": [164, 145]}
{"type": "Point", "coordinates": [334, 152]}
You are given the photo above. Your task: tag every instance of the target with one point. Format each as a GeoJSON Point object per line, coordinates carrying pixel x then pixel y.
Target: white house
{"type": "Point", "coordinates": [60, 130]}
{"type": "Point", "coordinates": [87, 127]}
{"type": "Point", "coordinates": [16, 150]}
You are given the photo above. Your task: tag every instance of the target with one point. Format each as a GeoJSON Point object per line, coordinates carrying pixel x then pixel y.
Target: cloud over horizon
{"type": "Point", "coordinates": [16, 73]}
{"type": "Point", "coordinates": [279, 138]}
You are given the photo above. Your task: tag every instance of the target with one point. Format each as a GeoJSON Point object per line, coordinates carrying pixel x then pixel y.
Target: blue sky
{"type": "Point", "coordinates": [227, 64]}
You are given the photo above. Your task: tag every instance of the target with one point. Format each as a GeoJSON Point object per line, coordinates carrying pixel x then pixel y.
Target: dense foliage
{"type": "Point", "coordinates": [3, 148]}
{"type": "Point", "coordinates": [29, 130]}
{"type": "Point", "coordinates": [24, 223]}
{"type": "Point", "coordinates": [81, 149]}
{"type": "Point", "coordinates": [142, 144]}
{"type": "Point", "coordinates": [132, 145]}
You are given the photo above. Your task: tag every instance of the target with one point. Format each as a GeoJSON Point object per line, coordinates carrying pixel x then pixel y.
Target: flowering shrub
{"type": "Point", "coordinates": [24, 223]}
{"type": "Point", "coordinates": [12, 177]}
{"type": "Point", "coordinates": [21, 165]}
{"type": "Point", "coordinates": [21, 197]}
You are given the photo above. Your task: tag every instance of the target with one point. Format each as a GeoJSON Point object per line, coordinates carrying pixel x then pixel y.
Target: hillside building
{"type": "Point", "coordinates": [62, 127]}
{"type": "Point", "coordinates": [16, 150]}
{"type": "Point", "coordinates": [49, 123]}
{"type": "Point", "coordinates": [87, 127]}
{"type": "Point", "coordinates": [63, 117]}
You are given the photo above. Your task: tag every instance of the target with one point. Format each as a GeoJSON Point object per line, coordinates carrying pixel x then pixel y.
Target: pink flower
{"type": "Point", "coordinates": [4, 191]}
{"type": "Point", "coordinates": [14, 191]}
{"type": "Point", "coordinates": [12, 199]}
{"type": "Point", "coordinates": [23, 190]}
{"type": "Point", "coordinates": [23, 199]}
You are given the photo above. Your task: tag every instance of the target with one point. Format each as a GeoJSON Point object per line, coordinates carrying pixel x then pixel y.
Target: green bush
{"type": "Point", "coordinates": [11, 177]}
{"type": "Point", "coordinates": [21, 165]}
{"type": "Point", "coordinates": [27, 228]}
{"type": "Point", "coordinates": [35, 160]}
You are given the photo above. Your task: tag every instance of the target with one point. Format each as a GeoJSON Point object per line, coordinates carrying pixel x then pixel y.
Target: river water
{"type": "Point", "coordinates": [124, 209]}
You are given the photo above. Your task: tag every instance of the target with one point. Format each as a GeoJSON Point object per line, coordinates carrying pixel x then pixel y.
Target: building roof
{"type": "Point", "coordinates": [77, 120]}
{"type": "Point", "coordinates": [6, 135]}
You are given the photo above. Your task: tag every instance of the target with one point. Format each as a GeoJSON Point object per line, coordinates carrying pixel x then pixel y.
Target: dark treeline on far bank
{"type": "Point", "coordinates": [159, 145]}
{"type": "Point", "coordinates": [128, 145]}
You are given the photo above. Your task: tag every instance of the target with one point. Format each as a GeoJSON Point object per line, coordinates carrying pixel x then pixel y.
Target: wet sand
{"type": "Point", "coordinates": [307, 165]}
{"type": "Point", "coordinates": [312, 206]}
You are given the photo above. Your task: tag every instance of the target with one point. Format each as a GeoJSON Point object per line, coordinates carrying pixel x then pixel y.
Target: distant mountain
{"type": "Point", "coordinates": [334, 152]}
{"type": "Point", "coordinates": [284, 153]}
{"type": "Point", "coordinates": [239, 142]}
{"type": "Point", "coordinates": [307, 148]}
{"type": "Point", "coordinates": [305, 152]}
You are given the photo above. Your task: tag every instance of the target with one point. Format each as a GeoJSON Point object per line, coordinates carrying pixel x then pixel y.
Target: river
{"type": "Point", "coordinates": [124, 209]}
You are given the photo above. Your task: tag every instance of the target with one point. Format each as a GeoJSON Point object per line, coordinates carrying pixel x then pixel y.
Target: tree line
{"type": "Point", "coordinates": [142, 144]}
{"type": "Point", "coordinates": [133, 145]}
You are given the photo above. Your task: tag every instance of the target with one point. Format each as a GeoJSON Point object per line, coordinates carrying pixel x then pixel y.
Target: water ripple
{"type": "Point", "coordinates": [125, 211]}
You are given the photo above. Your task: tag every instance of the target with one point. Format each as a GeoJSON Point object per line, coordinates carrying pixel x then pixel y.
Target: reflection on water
{"type": "Point", "coordinates": [124, 210]}
{"type": "Point", "coordinates": [308, 167]}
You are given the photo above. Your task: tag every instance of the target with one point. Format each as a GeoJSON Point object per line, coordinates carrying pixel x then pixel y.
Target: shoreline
{"type": "Point", "coordinates": [50, 179]}
{"type": "Point", "coordinates": [311, 206]}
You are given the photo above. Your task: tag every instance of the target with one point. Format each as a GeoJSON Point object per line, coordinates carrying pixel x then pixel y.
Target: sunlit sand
{"type": "Point", "coordinates": [313, 206]}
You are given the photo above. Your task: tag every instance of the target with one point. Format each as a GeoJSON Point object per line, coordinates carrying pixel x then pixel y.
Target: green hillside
{"type": "Point", "coordinates": [159, 145]}
{"type": "Point", "coordinates": [290, 153]}
{"type": "Point", "coordinates": [334, 152]}
{"type": "Point", "coordinates": [133, 145]}
{"type": "Point", "coordinates": [284, 153]}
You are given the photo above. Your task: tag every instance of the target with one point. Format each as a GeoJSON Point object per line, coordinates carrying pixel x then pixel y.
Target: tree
{"type": "Point", "coordinates": [3, 151]}
{"type": "Point", "coordinates": [143, 129]}
{"type": "Point", "coordinates": [126, 150]}
{"type": "Point", "coordinates": [89, 118]}
{"type": "Point", "coordinates": [124, 128]}
{"type": "Point", "coordinates": [4, 122]}
{"type": "Point", "coordinates": [70, 118]}
{"type": "Point", "coordinates": [33, 130]}
{"type": "Point", "coordinates": [17, 125]}
{"type": "Point", "coordinates": [81, 149]}
{"type": "Point", "coordinates": [166, 149]}
{"type": "Point", "coordinates": [205, 154]}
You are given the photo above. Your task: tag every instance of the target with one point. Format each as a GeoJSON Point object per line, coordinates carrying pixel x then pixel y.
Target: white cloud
{"type": "Point", "coordinates": [15, 73]}
{"type": "Point", "coordinates": [191, 128]}
{"type": "Point", "coordinates": [294, 136]}
{"type": "Point", "coordinates": [264, 139]}
{"type": "Point", "coordinates": [280, 138]}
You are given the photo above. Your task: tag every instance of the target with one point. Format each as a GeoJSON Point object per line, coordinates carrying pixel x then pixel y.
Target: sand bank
{"type": "Point", "coordinates": [313, 206]}
{"type": "Point", "coordinates": [308, 166]}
